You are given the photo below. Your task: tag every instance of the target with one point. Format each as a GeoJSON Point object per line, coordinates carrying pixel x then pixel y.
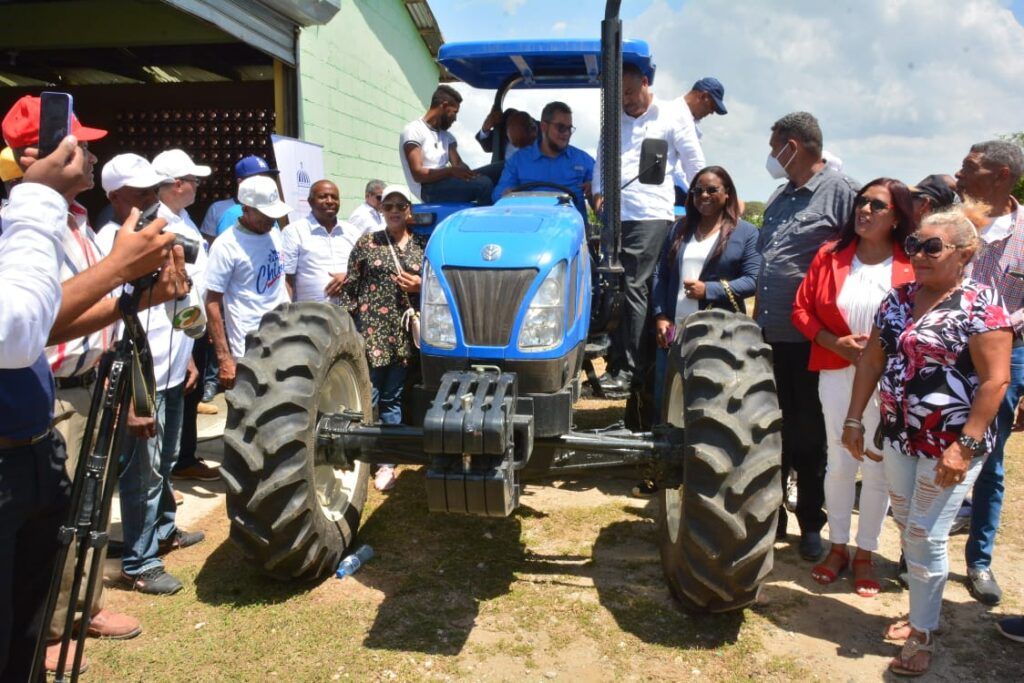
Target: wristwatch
{"type": "Point", "coordinates": [970, 443]}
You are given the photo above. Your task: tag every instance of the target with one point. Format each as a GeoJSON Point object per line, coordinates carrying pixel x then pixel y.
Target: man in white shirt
{"type": "Point", "coordinates": [315, 249]}
{"type": "Point", "coordinates": [147, 498]}
{"type": "Point", "coordinates": [245, 274]}
{"type": "Point", "coordinates": [430, 157]}
{"type": "Point", "coordinates": [706, 97]}
{"type": "Point", "coordinates": [647, 213]}
{"type": "Point", "coordinates": [367, 216]}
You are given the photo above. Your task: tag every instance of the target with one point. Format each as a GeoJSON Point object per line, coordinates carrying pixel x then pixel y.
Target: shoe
{"type": "Point", "coordinates": [810, 546]}
{"type": "Point", "coordinates": [616, 384]}
{"type": "Point", "coordinates": [198, 471]}
{"type": "Point", "coordinates": [53, 654]}
{"type": "Point", "coordinates": [961, 525]}
{"type": "Point", "coordinates": [1012, 628]}
{"type": "Point", "coordinates": [210, 392]}
{"type": "Point", "coordinates": [178, 498]}
{"type": "Point", "coordinates": [824, 574]}
{"type": "Point", "coordinates": [982, 584]}
{"type": "Point", "coordinates": [912, 648]}
{"type": "Point", "coordinates": [385, 478]}
{"type": "Point", "coordinates": [645, 489]}
{"type": "Point", "coordinates": [180, 539]}
{"type": "Point", "coordinates": [154, 581]}
{"type": "Point", "coordinates": [205, 408]}
{"type": "Point", "coordinates": [114, 626]}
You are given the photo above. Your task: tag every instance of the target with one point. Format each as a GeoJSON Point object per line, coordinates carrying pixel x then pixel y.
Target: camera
{"type": "Point", "coordinates": [189, 246]}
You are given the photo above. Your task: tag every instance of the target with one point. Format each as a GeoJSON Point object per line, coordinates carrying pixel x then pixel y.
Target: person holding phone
{"type": "Point", "coordinates": [941, 347]}
{"type": "Point", "coordinates": [835, 308]}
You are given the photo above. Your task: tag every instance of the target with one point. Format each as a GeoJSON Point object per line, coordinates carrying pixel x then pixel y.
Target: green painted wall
{"type": "Point", "coordinates": [362, 77]}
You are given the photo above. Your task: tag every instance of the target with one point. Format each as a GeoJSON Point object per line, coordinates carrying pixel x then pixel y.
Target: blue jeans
{"type": "Point", "coordinates": [147, 500]}
{"type": "Point", "coordinates": [388, 382]}
{"type": "Point", "coordinates": [924, 513]}
{"type": "Point", "coordinates": [449, 190]}
{"type": "Point", "coordinates": [987, 501]}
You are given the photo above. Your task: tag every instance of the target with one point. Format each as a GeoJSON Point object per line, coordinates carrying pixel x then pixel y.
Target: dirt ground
{"type": "Point", "coordinates": [568, 588]}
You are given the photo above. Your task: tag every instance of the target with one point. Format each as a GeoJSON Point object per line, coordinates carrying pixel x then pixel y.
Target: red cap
{"type": "Point", "coordinates": [21, 125]}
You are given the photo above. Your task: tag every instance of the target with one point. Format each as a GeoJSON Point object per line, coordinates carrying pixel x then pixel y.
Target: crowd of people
{"type": "Point", "coordinates": [893, 312]}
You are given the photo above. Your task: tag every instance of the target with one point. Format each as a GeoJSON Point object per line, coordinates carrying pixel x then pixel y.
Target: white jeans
{"type": "Point", "coordinates": [834, 389]}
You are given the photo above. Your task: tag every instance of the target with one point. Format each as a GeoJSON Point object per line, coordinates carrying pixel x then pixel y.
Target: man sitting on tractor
{"type": "Point", "coordinates": [551, 159]}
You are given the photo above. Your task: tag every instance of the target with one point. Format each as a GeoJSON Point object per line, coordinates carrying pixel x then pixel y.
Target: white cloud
{"type": "Point", "coordinates": [559, 27]}
{"type": "Point", "coordinates": [512, 6]}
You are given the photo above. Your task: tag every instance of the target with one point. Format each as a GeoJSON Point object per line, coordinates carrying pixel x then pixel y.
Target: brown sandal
{"type": "Point", "coordinates": [912, 647]}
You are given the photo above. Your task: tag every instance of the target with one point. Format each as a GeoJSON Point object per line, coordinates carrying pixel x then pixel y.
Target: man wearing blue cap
{"type": "Point", "coordinates": [246, 167]}
{"type": "Point", "coordinates": [706, 97]}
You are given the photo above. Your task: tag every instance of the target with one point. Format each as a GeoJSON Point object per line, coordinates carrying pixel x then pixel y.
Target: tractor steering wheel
{"type": "Point", "coordinates": [543, 184]}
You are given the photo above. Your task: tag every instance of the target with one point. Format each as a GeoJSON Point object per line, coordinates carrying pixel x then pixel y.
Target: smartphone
{"type": "Point", "coordinates": [1015, 273]}
{"type": "Point", "coordinates": [55, 111]}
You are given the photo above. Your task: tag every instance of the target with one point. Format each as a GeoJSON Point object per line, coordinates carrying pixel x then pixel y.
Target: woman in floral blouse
{"type": "Point", "coordinates": [941, 346]}
{"type": "Point", "coordinates": [383, 284]}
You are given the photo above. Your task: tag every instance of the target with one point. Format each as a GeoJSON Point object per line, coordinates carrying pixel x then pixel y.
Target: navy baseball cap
{"type": "Point", "coordinates": [252, 165]}
{"type": "Point", "coordinates": [713, 87]}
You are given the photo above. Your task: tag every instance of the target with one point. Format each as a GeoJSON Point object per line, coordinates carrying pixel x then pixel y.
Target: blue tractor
{"type": "Point", "coordinates": [516, 298]}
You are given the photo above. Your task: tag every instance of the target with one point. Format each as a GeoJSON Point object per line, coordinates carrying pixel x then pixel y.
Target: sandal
{"type": "Point", "coordinates": [865, 587]}
{"type": "Point", "coordinates": [824, 574]}
{"type": "Point", "coordinates": [911, 649]}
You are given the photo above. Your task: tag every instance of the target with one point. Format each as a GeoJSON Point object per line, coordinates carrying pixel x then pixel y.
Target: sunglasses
{"type": "Point", "coordinates": [562, 128]}
{"type": "Point", "coordinates": [875, 204]}
{"type": "Point", "coordinates": [378, 197]}
{"type": "Point", "coordinates": [395, 206]}
{"type": "Point", "coordinates": [697, 190]}
{"type": "Point", "coordinates": [931, 247]}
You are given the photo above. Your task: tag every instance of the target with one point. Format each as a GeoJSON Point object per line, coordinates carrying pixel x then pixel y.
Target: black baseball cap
{"type": "Point", "coordinates": [935, 188]}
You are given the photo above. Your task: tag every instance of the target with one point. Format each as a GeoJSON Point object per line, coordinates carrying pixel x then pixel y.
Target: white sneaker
{"type": "Point", "coordinates": [385, 478]}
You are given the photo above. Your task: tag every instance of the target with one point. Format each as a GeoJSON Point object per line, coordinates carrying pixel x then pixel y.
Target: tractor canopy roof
{"type": "Point", "coordinates": [540, 63]}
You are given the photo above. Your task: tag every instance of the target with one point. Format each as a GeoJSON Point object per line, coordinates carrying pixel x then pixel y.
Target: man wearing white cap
{"type": "Point", "coordinates": [245, 273]}
{"type": "Point", "coordinates": [147, 499]}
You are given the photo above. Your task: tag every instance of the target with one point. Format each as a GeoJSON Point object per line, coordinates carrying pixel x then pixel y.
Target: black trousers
{"type": "Point", "coordinates": [641, 247]}
{"type": "Point", "coordinates": [34, 496]}
{"type": "Point", "coordinates": [202, 350]}
{"type": "Point", "coordinates": [803, 432]}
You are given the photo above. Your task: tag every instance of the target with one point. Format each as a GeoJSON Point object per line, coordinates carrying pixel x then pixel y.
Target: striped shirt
{"type": "Point", "coordinates": [996, 260]}
{"type": "Point", "coordinates": [81, 251]}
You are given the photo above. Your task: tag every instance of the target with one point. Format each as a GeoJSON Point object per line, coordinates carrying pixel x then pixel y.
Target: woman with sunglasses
{"type": "Point", "coordinates": [709, 260]}
{"type": "Point", "coordinates": [835, 308]}
{"type": "Point", "coordinates": [383, 284]}
{"type": "Point", "coordinates": [941, 347]}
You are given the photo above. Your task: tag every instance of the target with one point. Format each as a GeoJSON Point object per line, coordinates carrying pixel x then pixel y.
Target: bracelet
{"type": "Point", "coordinates": [853, 423]}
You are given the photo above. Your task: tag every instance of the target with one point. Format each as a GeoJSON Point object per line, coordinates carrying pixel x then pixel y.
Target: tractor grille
{"type": "Point", "coordinates": [488, 300]}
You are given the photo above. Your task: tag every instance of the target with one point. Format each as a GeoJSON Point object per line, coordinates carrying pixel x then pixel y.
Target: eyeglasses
{"type": "Point", "coordinates": [697, 190]}
{"type": "Point", "coordinates": [190, 179]}
{"type": "Point", "coordinates": [931, 247]}
{"type": "Point", "coordinates": [396, 206]}
{"type": "Point", "coordinates": [562, 128]}
{"type": "Point", "coordinates": [875, 204]}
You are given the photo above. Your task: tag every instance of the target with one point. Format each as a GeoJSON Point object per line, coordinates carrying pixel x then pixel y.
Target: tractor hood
{"type": "Point", "coordinates": [523, 231]}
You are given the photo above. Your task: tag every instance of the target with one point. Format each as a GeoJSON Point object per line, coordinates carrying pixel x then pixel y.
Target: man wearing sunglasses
{"type": "Point", "coordinates": [800, 216]}
{"type": "Point", "coordinates": [989, 173]}
{"type": "Point", "coordinates": [551, 159]}
{"type": "Point", "coordinates": [367, 216]}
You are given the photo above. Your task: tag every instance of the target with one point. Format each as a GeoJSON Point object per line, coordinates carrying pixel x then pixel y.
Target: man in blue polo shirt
{"type": "Point", "coordinates": [551, 159]}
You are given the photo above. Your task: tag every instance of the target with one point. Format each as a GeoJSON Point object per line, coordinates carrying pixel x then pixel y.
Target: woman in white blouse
{"type": "Point", "coordinates": [835, 308]}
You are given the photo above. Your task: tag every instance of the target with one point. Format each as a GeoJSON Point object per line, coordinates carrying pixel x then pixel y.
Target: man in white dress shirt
{"type": "Point", "coordinates": [367, 216]}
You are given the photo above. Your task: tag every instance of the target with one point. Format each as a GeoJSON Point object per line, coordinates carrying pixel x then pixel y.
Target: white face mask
{"type": "Point", "coordinates": [775, 169]}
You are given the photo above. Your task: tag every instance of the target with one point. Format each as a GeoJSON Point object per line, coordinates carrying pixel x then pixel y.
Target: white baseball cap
{"type": "Point", "coordinates": [129, 170]}
{"type": "Point", "coordinates": [260, 193]}
{"type": "Point", "coordinates": [175, 163]}
{"type": "Point", "coordinates": [397, 189]}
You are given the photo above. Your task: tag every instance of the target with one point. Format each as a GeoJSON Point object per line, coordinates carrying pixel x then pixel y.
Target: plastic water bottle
{"type": "Point", "coordinates": [351, 564]}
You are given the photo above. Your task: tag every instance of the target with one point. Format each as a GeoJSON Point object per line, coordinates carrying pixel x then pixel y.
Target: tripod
{"type": "Point", "coordinates": [125, 376]}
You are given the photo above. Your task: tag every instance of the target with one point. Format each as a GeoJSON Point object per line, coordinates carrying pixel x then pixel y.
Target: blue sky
{"type": "Point", "coordinates": [901, 88]}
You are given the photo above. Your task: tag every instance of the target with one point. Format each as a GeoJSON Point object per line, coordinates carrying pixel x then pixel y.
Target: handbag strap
{"type": "Point", "coordinates": [732, 297]}
{"type": "Point", "coordinates": [401, 271]}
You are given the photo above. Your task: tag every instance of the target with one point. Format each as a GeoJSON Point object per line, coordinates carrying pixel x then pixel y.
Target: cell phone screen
{"type": "Point", "coordinates": [54, 120]}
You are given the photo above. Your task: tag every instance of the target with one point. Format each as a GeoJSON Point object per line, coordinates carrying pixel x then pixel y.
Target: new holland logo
{"type": "Point", "coordinates": [491, 252]}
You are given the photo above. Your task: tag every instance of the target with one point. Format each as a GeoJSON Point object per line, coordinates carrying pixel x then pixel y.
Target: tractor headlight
{"type": "Point", "coordinates": [542, 326]}
{"type": "Point", "coordinates": [438, 327]}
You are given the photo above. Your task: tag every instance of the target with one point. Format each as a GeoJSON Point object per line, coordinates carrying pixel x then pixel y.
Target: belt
{"type": "Point", "coordinates": [76, 381]}
{"type": "Point", "coordinates": [6, 443]}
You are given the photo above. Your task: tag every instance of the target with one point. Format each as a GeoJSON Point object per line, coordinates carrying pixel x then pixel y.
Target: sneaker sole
{"type": "Point", "coordinates": [120, 636]}
{"type": "Point", "coordinates": [1019, 639]}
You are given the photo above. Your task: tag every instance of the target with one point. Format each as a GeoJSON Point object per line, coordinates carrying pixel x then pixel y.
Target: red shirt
{"type": "Point", "coordinates": [815, 308]}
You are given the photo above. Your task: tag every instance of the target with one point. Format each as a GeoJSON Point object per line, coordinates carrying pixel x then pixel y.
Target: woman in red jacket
{"type": "Point", "coordinates": [835, 308]}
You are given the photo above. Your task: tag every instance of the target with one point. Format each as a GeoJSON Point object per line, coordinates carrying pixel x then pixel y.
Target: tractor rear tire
{"type": "Point", "coordinates": [717, 530]}
{"type": "Point", "coordinates": [293, 514]}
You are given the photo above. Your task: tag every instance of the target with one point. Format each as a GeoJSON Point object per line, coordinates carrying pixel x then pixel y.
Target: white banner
{"type": "Point", "coordinates": [301, 164]}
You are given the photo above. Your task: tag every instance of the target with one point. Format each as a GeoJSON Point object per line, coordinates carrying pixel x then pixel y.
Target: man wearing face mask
{"type": "Point", "coordinates": [430, 156]}
{"type": "Point", "coordinates": [800, 216]}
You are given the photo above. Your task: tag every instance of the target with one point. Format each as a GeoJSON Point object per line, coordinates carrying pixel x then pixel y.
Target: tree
{"type": "Point", "coordinates": [753, 211]}
{"type": "Point", "coordinates": [1018, 137]}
